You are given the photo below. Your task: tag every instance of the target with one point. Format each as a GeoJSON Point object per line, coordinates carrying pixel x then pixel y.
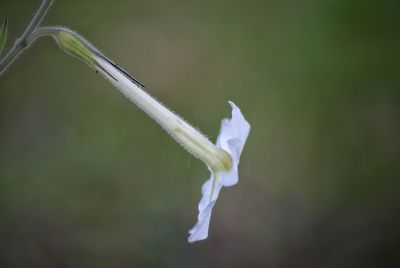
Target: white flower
{"type": "Point", "coordinates": [232, 137]}
{"type": "Point", "coordinates": [222, 159]}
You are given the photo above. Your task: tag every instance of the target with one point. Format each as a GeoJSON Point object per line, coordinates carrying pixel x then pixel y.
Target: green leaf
{"type": "Point", "coordinates": [3, 34]}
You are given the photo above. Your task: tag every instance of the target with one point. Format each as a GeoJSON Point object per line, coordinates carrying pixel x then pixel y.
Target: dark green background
{"type": "Point", "coordinates": [88, 180]}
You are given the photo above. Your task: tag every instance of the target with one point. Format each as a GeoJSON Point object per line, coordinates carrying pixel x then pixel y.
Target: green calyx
{"type": "Point", "coordinates": [75, 45]}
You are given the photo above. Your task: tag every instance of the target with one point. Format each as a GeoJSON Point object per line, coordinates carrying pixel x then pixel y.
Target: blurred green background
{"type": "Point", "coordinates": [88, 180]}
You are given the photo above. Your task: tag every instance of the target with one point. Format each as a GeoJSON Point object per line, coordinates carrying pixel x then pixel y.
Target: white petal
{"type": "Point", "coordinates": [210, 191]}
{"type": "Point", "coordinates": [232, 137]}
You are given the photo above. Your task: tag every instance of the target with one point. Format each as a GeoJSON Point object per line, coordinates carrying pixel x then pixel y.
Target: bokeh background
{"type": "Point", "coordinates": [88, 180]}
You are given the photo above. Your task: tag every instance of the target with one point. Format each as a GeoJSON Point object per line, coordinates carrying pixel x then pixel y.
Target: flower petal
{"type": "Point", "coordinates": [232, 137]}
{"type": "Point", "coordinates": [236, 128]}
{"type": "Point", "coordinates": [210, 191]}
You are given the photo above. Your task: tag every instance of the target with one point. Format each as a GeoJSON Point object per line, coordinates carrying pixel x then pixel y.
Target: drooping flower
{"type": "Point", "coordinates": [222, 159]}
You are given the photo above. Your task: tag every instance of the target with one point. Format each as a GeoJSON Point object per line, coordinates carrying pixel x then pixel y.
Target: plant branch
{"type": "Point", "coordinates": [24, 41]}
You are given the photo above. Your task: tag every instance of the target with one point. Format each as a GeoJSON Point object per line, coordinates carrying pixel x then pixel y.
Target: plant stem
{"type": "Point", "coordinates": [24, 41]}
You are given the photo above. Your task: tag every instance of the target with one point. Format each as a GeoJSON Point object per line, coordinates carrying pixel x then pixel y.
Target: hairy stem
{"type": "Point", "coordinates": [25, 40]}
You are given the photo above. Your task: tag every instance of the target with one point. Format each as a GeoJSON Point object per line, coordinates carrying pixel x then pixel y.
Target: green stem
{"type": "Point", "coordinates": [25, 40]}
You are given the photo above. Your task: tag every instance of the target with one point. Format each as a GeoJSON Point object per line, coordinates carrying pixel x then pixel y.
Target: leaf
{"type": "Point", "coordinates": [3, 34]}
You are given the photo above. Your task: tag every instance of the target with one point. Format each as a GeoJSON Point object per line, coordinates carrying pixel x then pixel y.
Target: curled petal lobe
{"type": "Point", "coordinates": [233, 133]}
